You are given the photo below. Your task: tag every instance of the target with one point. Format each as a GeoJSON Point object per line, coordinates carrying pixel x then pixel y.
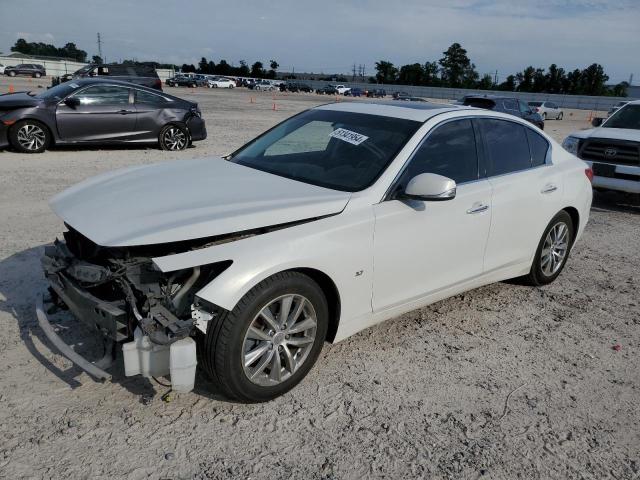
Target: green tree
{"type": "Point", "coordinates": [593, 80]}
{"type": "Point", "coordinates": [274, 65]}
{"type": "Point", "coordinates": [620, 90]}
{"type": "Point", "coordinates": [456, 68]}
{"type": "Point", "coordinates": [485, 83]}
{"type": "Point", "coordinates": [386, 72]}
{"type": "Point", "coordinates": [554, 79]}
{"type": "Point", "coordinates": [431, 74]}
{"type": "Point", "coordinates": [97, 59]}
{"type": "Point", "coordinates": [203, 66]}
{"type": "Point", "coordinates": [525, 79]}
{"type": "Point", "coordinates": [243, 69]}
{"type": "Point", "coordinates": [257, 70]}
{"type": "Point", "coordinates": [411, 74]}
{"type": "Point", "coordinates": [509, 85]}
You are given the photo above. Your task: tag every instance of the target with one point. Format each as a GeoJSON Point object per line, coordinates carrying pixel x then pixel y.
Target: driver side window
{"type": "Point", "coordinates": [103, 95]}
{"type": "Point", "coordinates": [449, 150]}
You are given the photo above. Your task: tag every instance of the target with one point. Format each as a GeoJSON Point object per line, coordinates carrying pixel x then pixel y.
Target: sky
{"type": "Point", "coordinates": [330, 36]}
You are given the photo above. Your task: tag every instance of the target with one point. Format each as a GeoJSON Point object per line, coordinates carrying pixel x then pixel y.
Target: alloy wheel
{"type": "Point", "coordinates": [31, 137]}
{"type": "Point", "coordinates": [175, 139]}
{"type": "Point", "coordinates": [279, 340]}
{"type": "Point", "coordinates": [555, 248]}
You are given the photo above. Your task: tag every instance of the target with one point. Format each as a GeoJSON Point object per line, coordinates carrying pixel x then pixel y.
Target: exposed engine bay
{"type": "Point", "coordinates": [116, 289]}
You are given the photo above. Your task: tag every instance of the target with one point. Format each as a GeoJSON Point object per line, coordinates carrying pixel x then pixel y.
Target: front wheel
{"type": "Point", "coordinates": [173, 137]}
{"type": "Point", "coordinates": [268, 343]}
{"type": "Point", "coordinates": [37, 75]}
{"type": "Point", "coordinates": [560, 116]}
{"type": "Point", "coordinates": [553, 250]}
{"type": "Point", "coordinates": [29, 136]}
{"type": "Point", "coordinates": [12, 74]}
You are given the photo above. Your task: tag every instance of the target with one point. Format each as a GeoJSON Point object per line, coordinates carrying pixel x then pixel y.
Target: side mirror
{"type": "Point", "coordinates": [72, 102]}
{"type": "Point", "coordinates": [597, 121]}
{"type": "Point", "coordinates": [430, 187]}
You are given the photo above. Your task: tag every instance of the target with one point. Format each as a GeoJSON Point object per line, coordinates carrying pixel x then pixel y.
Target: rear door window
{"type": "Point", "coordinates": [510, 104]}
{"type": "Point", "coordinates": [506, 145]}
{"type": "Point", "coordinates": [539, 147]}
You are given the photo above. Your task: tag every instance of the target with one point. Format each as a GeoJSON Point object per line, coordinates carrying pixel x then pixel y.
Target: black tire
{"type": "Point", "coordinates": [39, 133]}
{"type": "Point", "coordinates": [560, 116]}
{"type": "Point", "coordinates": [537, 276]}
{"type": "Point", "coordinates": [544, 116]}
{"type": "Point", "coordinates": [12, 74]}
{"type": "Point", "coordinates": [171, 136]}
{"type": "Point", "coordinates": [221, 349]}
{"type": "Point", "coordinates": [37, 75]}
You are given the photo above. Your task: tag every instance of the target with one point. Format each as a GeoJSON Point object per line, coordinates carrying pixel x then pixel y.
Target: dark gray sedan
{"type": "Point", "coordinates": [97, 111]}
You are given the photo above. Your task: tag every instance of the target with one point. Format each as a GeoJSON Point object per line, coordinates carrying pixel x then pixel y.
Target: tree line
{"type": "Point", "coordinates": [456, 70]}
{"type": "Point", "coordinates": [44, 49]}
{"type": "Point", "coordinates": [223, 67]}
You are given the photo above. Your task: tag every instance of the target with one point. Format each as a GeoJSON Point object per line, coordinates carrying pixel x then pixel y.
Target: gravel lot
{"type": "Point", "coordinates": [502, 382]}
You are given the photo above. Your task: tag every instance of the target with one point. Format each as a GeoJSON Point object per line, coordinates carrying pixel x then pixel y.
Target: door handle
{"type": "Point", "coordinates": [549, 188]}
{"type": "Point", "coordinates": [479, 208]}
{"type": "Point", "coordinates": [124, 112]}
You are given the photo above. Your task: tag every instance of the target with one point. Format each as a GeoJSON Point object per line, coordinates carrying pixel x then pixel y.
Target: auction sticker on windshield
{"type": "Point", "coordinates": [345, 135]}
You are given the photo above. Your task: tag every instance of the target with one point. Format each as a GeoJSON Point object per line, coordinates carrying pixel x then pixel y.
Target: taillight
{"type": "Point", "coordinates": [157, 84]}
{"type": "Point", "coordinates": [589, 173]}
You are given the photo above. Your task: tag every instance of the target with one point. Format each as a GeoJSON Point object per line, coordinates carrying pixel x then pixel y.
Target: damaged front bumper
{"type": "Point", "coordinates": [125, 300]}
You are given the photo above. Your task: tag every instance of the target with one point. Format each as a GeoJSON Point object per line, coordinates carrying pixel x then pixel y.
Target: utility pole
{"type": "Point", "coordinates": [100, 48]}
{"type": "Point", "coordinates": [495, 78]}
{"type": "Point", "coordinates": [353, 78]}
{"type": "Point", "coordinates": [631, 79]}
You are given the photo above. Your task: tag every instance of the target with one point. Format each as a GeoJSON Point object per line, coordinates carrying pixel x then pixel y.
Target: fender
{"type": "Point", "coordinates": [340, 246]}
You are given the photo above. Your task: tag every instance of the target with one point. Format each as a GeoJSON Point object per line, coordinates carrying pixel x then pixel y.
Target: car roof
{"type": "Point", "coordinates": [418, 111]}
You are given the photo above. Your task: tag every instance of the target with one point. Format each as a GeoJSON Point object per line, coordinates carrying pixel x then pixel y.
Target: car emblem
{"type": "Point", "coordinates": [610, 152]}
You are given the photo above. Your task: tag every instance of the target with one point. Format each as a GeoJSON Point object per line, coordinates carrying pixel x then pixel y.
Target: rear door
{"type": "Point", "coordinates": [150, 116]}
{"type": "Point", "coordinates": [526, 190]}
{"type": "Point", "coordinates": [105, 112]}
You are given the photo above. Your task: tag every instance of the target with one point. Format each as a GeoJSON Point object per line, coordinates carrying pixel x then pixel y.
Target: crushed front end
{"type": "Point", "coordinates": [119, 292]}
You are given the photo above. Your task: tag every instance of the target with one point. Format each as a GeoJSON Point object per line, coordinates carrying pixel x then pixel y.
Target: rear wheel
{"type": "Point", "coordinates": [268, 343]}
{"type": "Point", "coordinates": [560, 115]}
{"type": "Point", "coordinates": [12, 74]}
{"type": "Point", "coordinates": [173, 137]}
{"type": "Point", "coordinates": [37, 74]}
{"type": "Point", "coordinates": [553, 250]}
{"type": "Point", "coordinates": [29, 136]}
{"type": "Point", "coordinates": [544, 116]}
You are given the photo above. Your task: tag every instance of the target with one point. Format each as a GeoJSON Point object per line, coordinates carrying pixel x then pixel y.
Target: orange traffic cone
{"type": "Point", "coordinates": [274, 106]}
{"type": "Point", "coordinates": [251, 100]}
{"type": "Point", "coordinates": [11, 90]}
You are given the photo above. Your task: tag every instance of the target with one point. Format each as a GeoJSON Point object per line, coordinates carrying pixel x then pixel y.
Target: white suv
{"type": "Point", "coordinates": [612, 148]}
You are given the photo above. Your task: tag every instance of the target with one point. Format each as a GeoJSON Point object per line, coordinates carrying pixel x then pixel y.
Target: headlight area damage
{"type": "Point", "coordinates": [119, 292]}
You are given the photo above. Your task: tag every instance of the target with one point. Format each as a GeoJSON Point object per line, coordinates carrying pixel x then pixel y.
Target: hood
{"type": "Point", "coordinates": [610, 133]}
{"type": "Point", "coordinates": [17, 100]}
{"type": "Point", "coordinates": [188, 199]}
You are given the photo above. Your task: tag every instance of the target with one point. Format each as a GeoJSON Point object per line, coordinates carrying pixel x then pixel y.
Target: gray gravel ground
{"type": "Point", "coordinates": [503, 382]}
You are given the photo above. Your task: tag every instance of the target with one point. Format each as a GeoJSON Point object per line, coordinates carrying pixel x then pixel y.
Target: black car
{"type": "Point", "coordinates": [182, 81]}
{"type": "Point", "coordinates": [30, 69]}
{"type": "Point", "coordinates": [97, 111]}
{"type": "Point", "coordinates": [289, 87]}
{"type": "Point", "coordinates": [354, 92]}
{"type": "Point", "coordinates": [140, 74]}
{"type": "Point", "coordinates": [509, 105]}
{"type": "Point", "coordinates": [377, 93]}
{"type": "Point", "coordinates": [327, 90]}
{"type": "Point", "coordinates": [400, 95]}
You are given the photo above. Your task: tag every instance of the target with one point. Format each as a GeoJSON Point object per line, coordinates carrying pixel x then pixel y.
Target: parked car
{"type": "Point", "coordinates": [220, 82]}
{"type": "Point", "coordinates": [263, 257]}
{"type": "Point", "coordinates": [29, 69]}
{"type": "Point", "coordinates": [342, 89]}
{"type": "Point", "coordinates": [305, 87]}
{"type": "Point", "coordinates": [139, 74]}
{"type": "Point", "coordinates": [354, 92]}
{"type": "Point", "coordinates": [612, 148]}
{"type": "Point", "coordinates": [377, 93]}
{"type": "Point", "coordinates": [399, 95]}
{"type": "Point", "coordinates": [2, 67]}
{"type": "Point", "coordinates": [509, 105]}
{"type": "Point", "coordinates": [547, 110]}
{"type": "Point", "coordinates": [97, 111]}
{"type": "Point", "coordinates": [182, 81]}
{"type": "Point", "coordinates": [616, 107]}
{"type": "Point", "coordinates": [264, 86]}
{"type": "Point", "coordinates": [327, 90]}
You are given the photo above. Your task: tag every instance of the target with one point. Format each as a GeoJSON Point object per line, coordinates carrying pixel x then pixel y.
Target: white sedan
{"type": "Point", "coordinates": [340, 217]}
{"type": "Point", "coordinates": [220, 82]}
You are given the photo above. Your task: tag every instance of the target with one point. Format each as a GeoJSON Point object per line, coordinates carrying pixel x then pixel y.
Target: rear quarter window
{"type": "Point", "coordinates": [539, 147]}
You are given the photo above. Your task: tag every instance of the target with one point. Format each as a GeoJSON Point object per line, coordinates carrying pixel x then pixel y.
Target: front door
{"type": "Point", "coordinates": [421, 247]}
{"type": "Point", "coordinates": [103, 112]}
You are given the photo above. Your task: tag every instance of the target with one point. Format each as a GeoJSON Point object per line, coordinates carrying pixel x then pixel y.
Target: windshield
{"type": "Point", "coordinates": [535, 104]}
{"type": "Point", "coordinates": [626, 117]}
{"type": "Point", "coordinates": [83, 70]}
{"type": "Point", "coordinates": [59, 91]}
{"type": "Point", "coordinates": [339, 150]}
